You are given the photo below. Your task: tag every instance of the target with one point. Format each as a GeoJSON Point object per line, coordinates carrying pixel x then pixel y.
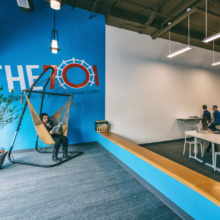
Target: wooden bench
{"type": "Point", "coordinates": [207, 187]}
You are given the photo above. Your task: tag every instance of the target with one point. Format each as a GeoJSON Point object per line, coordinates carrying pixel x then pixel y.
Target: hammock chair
{"type": "Point", "coordinates": [62, 115]}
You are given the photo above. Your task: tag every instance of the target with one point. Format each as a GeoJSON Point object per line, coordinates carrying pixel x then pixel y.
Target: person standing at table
{"type": "Point", "coordinates": [206, 114]}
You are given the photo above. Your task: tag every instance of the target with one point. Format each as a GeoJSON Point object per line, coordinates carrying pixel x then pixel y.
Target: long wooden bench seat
{"type": "Point", "coordinates": [207, 187]}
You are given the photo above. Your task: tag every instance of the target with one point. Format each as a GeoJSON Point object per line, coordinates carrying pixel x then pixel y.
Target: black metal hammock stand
{"type": "Point", "coordinates": [47, 139]}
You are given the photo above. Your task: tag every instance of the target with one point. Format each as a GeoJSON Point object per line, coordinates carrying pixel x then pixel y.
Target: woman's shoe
{"type": "Point", "coordinates": [65, 156]}
{"type": "Point", "coordinates": [54, 156]}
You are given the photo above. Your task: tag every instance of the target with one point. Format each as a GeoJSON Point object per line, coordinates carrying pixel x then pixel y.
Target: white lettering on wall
{"type": "Point", "coordinates": [31, 77]}
{"type": "Point", "coordinates": [11, 79]}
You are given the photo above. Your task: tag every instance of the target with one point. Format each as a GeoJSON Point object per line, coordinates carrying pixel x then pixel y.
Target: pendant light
{"type": "Point", "coordinates": [185, 48]}
{"type": "Point", "coordinates": [55, 4]}
{"type": "Point", "coordinates": [213, 56]}
{"type": "Point", "coordinates": [54, 45]}
{"type": "Point", "coordinates": [213, 37]}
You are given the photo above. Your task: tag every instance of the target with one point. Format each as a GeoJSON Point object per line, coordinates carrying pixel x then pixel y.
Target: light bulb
{"type": "Point", "coordinates": [55, 4]}
{"type": "Point", "coordinates": [54, 46]}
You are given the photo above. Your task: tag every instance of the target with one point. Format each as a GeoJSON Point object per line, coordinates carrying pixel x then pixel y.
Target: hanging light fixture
{"type": "Point", "coordinates": [54, 45]}
{"type": "Point", "coordinates": [213, 37]}
{"type": "Point", "coordinates": [179, 51]}
{"type": "Point", "coordinates": [55, 4]}
{"type": "Point", "coordinates": [216, 63]}
{"type": "Point", "coordinates": [185, 48]}
{"type": "Point", "coordinates": [213, 56]}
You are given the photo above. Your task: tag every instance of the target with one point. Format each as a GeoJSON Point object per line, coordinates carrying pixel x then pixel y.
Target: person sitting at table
{"type": "Point", "coordinates": [216, 115]}
{"type": "Point", "coordinates": [206, 114]}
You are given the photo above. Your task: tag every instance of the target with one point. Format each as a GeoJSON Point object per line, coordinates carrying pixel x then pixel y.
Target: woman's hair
{"type": "Point", "coordinates": [205, 123]}
{"type": "Point", "coordinates": [42, 115]}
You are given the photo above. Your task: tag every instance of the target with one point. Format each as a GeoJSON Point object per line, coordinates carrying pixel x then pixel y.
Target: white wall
{"type": "Point", "coordinates": [146, 91]}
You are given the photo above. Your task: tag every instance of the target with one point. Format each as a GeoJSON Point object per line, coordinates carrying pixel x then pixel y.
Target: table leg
{"type": "Point", "coordinates": [213, 156]}
{"type": "Point", "coordinates": [196, 147]}
{"type": "Point", "coordinates": [190, 155]}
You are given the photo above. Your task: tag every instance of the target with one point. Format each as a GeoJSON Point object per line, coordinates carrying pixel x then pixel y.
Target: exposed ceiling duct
{"type": "Point", "coordinates": [151, 17]}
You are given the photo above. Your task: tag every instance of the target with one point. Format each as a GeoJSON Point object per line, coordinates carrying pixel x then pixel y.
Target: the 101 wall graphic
{"type": "Point", "coordinates": [59, 73]}
{"type": "Point", "coordinates": [79, 68]}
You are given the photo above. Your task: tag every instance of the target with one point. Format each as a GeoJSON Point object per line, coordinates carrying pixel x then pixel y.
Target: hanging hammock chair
{"type": "Point", "coordinates": [62, 115]}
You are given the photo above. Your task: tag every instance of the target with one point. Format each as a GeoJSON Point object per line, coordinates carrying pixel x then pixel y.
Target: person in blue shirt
{"type": "Point", "coordinates": [206, 113]}
{"type": "Point", "coordinates": [212, 127]}
{"type": "Point", "coordinates": [216, 115]}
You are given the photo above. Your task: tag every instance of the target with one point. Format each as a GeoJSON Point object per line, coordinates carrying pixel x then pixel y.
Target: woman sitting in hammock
{"type": "Point", "coordinates": [58, 138]}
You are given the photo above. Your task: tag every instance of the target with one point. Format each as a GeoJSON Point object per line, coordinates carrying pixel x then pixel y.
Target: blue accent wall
{"type": "Point", "coordinates": [193, 203]}
{"type": "Point", "coordinates": [24, 45]}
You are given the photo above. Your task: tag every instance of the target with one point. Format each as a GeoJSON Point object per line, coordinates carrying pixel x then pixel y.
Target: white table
{"type": "Point", "coordinates": [213, 138]}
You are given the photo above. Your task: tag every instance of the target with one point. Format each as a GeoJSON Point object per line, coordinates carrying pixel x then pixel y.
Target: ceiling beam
{"type": "Point", "coordinates": [93, 9]}
{"type": "Point", "coordinates": [192, 4]}
{"type": "Point", "coordinates": [131, 17]}
{"type": "Point", "coordinates": [210, 14]}
{"type": "Point", "coordinates": [143, 7]}
{"type": "Point", "coordinates": [108, 13]}
{"type": "Point", "coordinates": [134, 22]}
{"type": "Point", "coordinates": [180, 18]}
{"type": "Point", "coordinates": [158, 6]}
{"type": "Point", "coordinates": [74, 4]}
{"type": "Point", "coordinates": [194, 41]}
{"type": "Point", "coordinates": [175, 22]}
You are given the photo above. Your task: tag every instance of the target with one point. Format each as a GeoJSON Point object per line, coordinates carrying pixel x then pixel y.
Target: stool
{"type": "Point", "coordinates": [203, 147]}
{"type": "Point", "coordinates": [192, 142]}
{"type": "Point", "coordinates": [215, 162]}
